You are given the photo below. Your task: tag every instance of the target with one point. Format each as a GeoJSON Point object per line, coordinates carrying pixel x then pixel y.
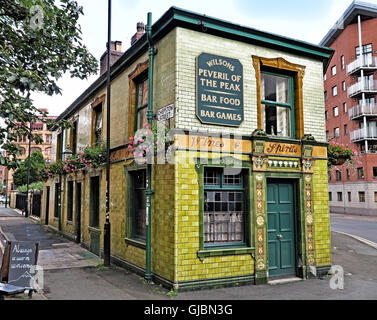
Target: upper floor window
{"type": "Point", "coordinates": [325, 95]}
{"type": "Point", "coordinates": [342, 62]}
{"type": "Point", "coordinates": [333, 70]}
{"type": "Point", "coordinates": [97, 124]}
{"type": "Point", "coordinates": [336, 132]}
{"type": "Point", "coordinates": [336, 111]}
{"type": "Point", "coordinates": [73, 138]}
{"type": "Point", "coordinates": [48, 138]}
{"type": "Point", "coordinates": [343, 85]}
{"type": "Point", "coordinates": [326, 115]}
{"type": "Point", "coordinates": [59, 146]}
{"type": "Point", "coordinates": [360, 173]}
{"type": "Point", "coordinates": [37, 126]}
{"type": "Point", "coordinates": [367, 53]}
{"type": "Point", "coordinates": [338, 175]}
{"type": "Point", "coordinates": [334, 91]}
{"type": "Point", "coordinates": [141, 108]}
{"type": "Point", "coordinates": [277, 103]}
{"type": "Point", "coordinates": [344, 107]}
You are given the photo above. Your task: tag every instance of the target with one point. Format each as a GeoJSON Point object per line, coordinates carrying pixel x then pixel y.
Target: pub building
{"type": "Point", "coordinates": [244, 195]}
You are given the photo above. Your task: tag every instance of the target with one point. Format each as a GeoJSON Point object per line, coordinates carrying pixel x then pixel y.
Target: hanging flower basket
{"type": "Point", "coordinates": [340, 161]}
{"type": "Point", "coordinates": [338, 154]}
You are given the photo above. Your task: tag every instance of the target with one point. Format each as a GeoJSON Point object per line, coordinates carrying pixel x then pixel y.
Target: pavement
{"type": "Point", "coordinates": [72, 273]}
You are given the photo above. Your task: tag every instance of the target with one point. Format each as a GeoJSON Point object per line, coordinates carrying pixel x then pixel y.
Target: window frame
{"type": "Point", "coordinates": [130, 171]}
{"type": "Point", "coordinates": [141, 79]}
{"type": "Point", "coordinates": [360, 176]}
{"type": "Point", "coordinates": [297, 71]}
{"type": "Point", "coordinates": [333, 70]}
{"type": "Point", "coordinates": [290, 105]}
{"type": "Point", "coordinates": [336, 91]}
{"type": "Point", "coordinates": [362, 196]}
{"type": "Point", "coordinates": [222, 187]}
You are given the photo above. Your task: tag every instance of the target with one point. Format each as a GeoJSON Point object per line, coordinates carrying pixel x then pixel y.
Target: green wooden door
{"type": "Point", "coordinates": [281, 229]}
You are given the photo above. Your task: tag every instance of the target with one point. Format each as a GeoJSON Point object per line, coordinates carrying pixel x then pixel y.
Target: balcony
{"type": "Point", "coordinates": [361, 110]}
{"type": "Point", "coordinates": [360, 135]}
{"type": "Point", "coordinates": [367, 63]}
{"type": "Point", "coordinates": [369, 86]}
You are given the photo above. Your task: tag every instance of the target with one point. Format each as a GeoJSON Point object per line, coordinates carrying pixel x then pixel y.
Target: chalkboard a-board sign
{"type": "Point", "coordinates": [19, 263]}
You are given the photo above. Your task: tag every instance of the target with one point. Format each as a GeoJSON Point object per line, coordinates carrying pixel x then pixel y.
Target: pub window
{"type": "Point", "coordinates": [278, 114]}
{"type": "Point", "coordinates": [69, 200]}
{"type": "Point", "coordinates": [330, 196]}
{"type": "Point", "coordinates": [138, 200]}
{"type": "Point", "coordinates": [141, 107]}
{"type": "Point", "coordinates": [224, 207]}
{"type": "Point", "coordinates": [340, 196]}
{"type": "Point", "coordinates": [361, 196]}
{"type": "Point", "coordinates": [349, 196]}
{"type": "Point", "coordinates": [375, 172]}
{"type": "Point", "coordinates": [97, 124]}
{"type": "Point", "coordinates": [375, 196]}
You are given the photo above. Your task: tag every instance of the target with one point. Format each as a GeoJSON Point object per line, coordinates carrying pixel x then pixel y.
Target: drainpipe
{"type": "Point", "coordinates": [149, 192]}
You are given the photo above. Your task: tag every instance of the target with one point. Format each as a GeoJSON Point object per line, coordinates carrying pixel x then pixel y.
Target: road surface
{"type": "Point", "coordinates": [361, 226]}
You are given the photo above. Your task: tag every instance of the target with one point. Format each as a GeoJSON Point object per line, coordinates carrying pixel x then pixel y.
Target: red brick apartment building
{"type": "Point", "coordinates": [351, 111]}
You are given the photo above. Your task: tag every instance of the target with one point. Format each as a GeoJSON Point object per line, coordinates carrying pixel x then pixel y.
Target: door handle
{"type": "Point", "coordinates": [279, 236]}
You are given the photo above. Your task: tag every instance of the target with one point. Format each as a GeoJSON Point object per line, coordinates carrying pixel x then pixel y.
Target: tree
{"type": "Point", "coordinates": [37, 166]}
{"type": "Point", "coordinates": [39, 42]}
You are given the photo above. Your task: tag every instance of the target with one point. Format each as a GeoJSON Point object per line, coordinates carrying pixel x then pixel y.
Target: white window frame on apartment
{"type": "Point", "coordinates": [334, 90]}
{"type": "Point", "coordinates": [333, 70]}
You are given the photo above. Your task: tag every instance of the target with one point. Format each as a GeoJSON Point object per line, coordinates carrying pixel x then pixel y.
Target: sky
{"type": "Point", "coordinates": [307, 20]}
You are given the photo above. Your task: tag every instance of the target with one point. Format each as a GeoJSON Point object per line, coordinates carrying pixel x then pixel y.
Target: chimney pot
{"type": "Point", "coordinates": [140, 27]}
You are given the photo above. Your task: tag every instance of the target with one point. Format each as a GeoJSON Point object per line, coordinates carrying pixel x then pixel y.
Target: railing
{"type": "Point", "coordinates": [366, 86]}
{"type": "Point", "coordinates": [369, 109]}
{"type": "Point", "coordinates": [362, 62]}
{"type": "Point", "coordinates": [360, 134]}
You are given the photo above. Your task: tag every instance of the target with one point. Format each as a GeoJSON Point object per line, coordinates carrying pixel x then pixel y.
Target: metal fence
{"type": "Point", "coordinates": [21, 201]}
{"type": "Point", "coordinates": [35, 205]}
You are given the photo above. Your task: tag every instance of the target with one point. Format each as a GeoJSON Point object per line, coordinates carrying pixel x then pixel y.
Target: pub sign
{"type": "Point", "coordinates": [219, 83]}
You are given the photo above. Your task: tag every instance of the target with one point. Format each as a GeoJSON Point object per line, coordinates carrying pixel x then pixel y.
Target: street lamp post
{"type": "Point", "coordinates": [28, 173]}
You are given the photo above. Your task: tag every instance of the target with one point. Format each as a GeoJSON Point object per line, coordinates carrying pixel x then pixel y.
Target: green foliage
{"type": "Point", "coordinates": [55, 168]}
{"type": "Point", "coordinates": [37, 169]}
{"type": "Point", "coordinates": [89, 158]}
{"type": "Point", "coordinates": [32, 186]}
{"type": "Point", "coordinates": [40, 40]}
